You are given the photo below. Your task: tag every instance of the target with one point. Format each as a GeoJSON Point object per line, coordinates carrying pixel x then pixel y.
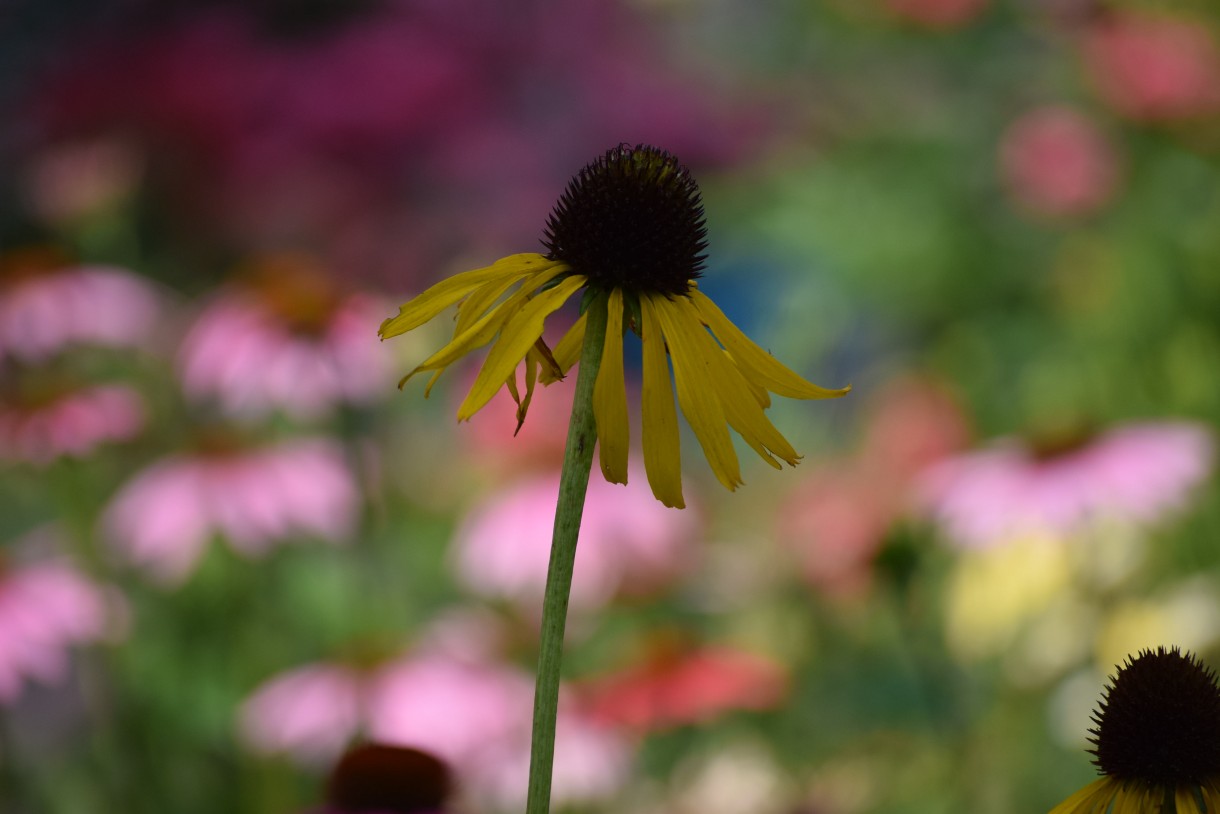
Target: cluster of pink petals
{"type": "Point", "coordinates": [937, 14]}
{"type": "Point", "coordinates": [91, 305]}
{"type": "Point", "coordinates": [73, 424]}
{"type": "Point", "coordinates": [687, 688]}
{"type": "Point", "coordinates": [46, 608]}
{"type": "Point", "coordinates": [836, 519]}
{"type": "Point", "coordinates": [162, 519]}
{"type": "Point", "coordinates": [629, 543]}
{"type": "Point", "coordinates": [1057, 162]}
{"type": "Point", "coordinates": [1155, 68]}
{"type": "Point", "coordinates": [249, 360]}
{"type": "Point", "coordinates": [1135, 473]}
{"type": "Point", "coordinates": [475, 714]}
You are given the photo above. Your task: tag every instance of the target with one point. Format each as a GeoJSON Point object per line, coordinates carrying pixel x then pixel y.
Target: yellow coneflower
{"type": "Point", "coordinates": [1157, 740]}
{"type": "Point", "coordinates": [629, 226]}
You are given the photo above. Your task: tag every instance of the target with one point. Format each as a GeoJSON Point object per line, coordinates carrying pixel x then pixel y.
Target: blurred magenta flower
{"type": "Point", "coordinates": [47, 304]}
{"type": "Point", "coordinates": [1154, 67]}
{"type": "Point", "coordinates": [382, 138]}
{"type": "Point", "coordinates": [629, 542]}
{"type": "Point", "coordinates": [1057, 162]}
{"type": "Point", "coordinates": [680, 684]}
{"type": "Point", "coordinates": [285, 338]}
{"type": "Point", "coordinates": [1133, 473]}
{"type": "Point", "coordinates": [67, 423]}
{"type": "Point", "coordinates": [46, 608]}
{"type": "Point", "coordinates": [937, 14]}
{"type": "Point", "coordinates": [254, 497]}
{"type": "Point", "coordinates": [473, 712]}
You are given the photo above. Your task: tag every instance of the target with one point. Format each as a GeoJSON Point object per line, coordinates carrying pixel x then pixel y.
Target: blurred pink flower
{"type": "Point", "coordinates": [162, 519]}
{"type": "Point", "coordinates": [835, 523]}
{"type": "Point", "coordinates": [46, 306]}
{"type": "Point", "coordinates": [69, 424]}
{"type": "Point", "coordinates": [45, 608]}
{"type": "Point", "coordinates": [1056, 162]}
{"type": "Point", "coordinates": [629, 543]}
{"type": "Point", "coordinates": [311, 712]}
{"type": "Point", "coordinates": [679, 685]}
{"type": "Point", "coordinates": [473, 713]}
{"type": "Point", "coordinates": [1155, 68]}
{"type": "Point", "coordinates": [286, 339]}
{"type": "Point", "coordinates": [1134, 473]}
{"type": "Point", "coordinates": [836, 519]}
{"type": "Point", "coordinates": [938, 14]}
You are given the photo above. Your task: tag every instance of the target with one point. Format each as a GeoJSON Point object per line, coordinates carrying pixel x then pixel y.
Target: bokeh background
{"type": "Point", "coordinates": [230, 547]}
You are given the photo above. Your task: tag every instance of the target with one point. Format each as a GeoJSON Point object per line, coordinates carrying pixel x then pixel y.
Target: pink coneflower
{"type": "Point", "coordinates": [1057, 162]}
{"type": "Point", "coordinates": [162, 519]}
{"type": "Point", "coordinates": [45, 609]}
{"type": "Point", "coordinates": [629, 543]}
{"type": "Point", "coordinates": [69, 423]}
{"type": "Point", "coordinates": [1134, 473]}
{"type": "Point", "coordinates": [284, 338]}
{"type": "Point", "coordinates": [473, 713]}
{"type": "Point", "coordinates": [679, 684]}
{"type": "Point", "coordinates": [47, 304]}
{"type": "Point", "coordinates": [1155, 68]}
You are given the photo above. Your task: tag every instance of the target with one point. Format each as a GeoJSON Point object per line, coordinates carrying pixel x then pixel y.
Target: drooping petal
{"type": "Point", "coordinates": [567, 351]}
{"type": "Point", "coordinates": [476, 305]}
{"type": "Point", "coordinates": [417, 311]}
{"type": "Point", "coordinates": [692, 381]}
{"type": "Point", "coordinates": [1093, 797]}
{"type": "Point", "coordinates": [755, 362]}
{"type": "Point", "coordinates": [484, 329]}
{"type": "Point", "coordinates": [661, 442]}
{"type": "Point", "coordinates": [520, 332]}
{"type": "Point", "coordinates": [741, 409]}
{"type": "Point", "coordinates": [610, 396]}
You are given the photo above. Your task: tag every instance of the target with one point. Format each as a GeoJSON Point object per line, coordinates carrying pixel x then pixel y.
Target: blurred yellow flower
{"type": "Point", "coordinates": [629, 228]}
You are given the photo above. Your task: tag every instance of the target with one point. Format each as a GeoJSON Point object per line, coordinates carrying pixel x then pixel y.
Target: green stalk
{"type": "Point", "coordinates": [573, 483]}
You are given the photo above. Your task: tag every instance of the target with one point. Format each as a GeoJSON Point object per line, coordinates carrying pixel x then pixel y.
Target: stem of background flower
{"type": "Point", "coordinates": [573, 483]}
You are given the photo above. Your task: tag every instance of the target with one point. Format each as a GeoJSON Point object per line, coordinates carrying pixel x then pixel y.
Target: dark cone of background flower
{"type": "Point", "coordinates": [633, 219]}
{"type": "Point", "coordinates": [379, 778]}
{"type": "Point", "coordinates": [1159, 721]}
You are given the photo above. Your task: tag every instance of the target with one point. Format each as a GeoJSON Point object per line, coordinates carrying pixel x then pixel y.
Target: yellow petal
{"type": "Point", "coordinates": [482, 298]}
{"type": "Point", "coordinates": [741, 408]}
{"type": "Point", "coordinates": [662, 444]}
{"type": "Point", "coordinates": [431, 302]}
{"type": "Point", "coordinates": [532, 363]}
{"type": "Point", "coordinates": [610, 396]}
{"type": "Point", "coordinates": [693, 382]}
{"type": "Point", "coordinates": [484, 329]}
{"type": "Point", "coordinates": [1086, 799]}
{"type": "Point", "coordinates": [567, 351]}
{"type": "Point", "coordinates": [520, 332]}
{"type": "Point", "coordinates": [755, 362]}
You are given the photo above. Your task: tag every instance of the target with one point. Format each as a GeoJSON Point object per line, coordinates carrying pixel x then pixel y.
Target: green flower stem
{"type": "Point", "coordinates": [573, 483]}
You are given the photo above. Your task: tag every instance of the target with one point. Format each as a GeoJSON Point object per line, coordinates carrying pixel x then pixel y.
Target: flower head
{"type": "Point", "coordinates": [629, 228]}
{"type": "Point", "coordinates": [1157, 739]}
{"type": "Point", "coordinates": [378, 778]}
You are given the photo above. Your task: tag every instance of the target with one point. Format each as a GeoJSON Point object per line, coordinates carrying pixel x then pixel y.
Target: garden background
{"type": "Point", "coordinates": [229, 546]}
